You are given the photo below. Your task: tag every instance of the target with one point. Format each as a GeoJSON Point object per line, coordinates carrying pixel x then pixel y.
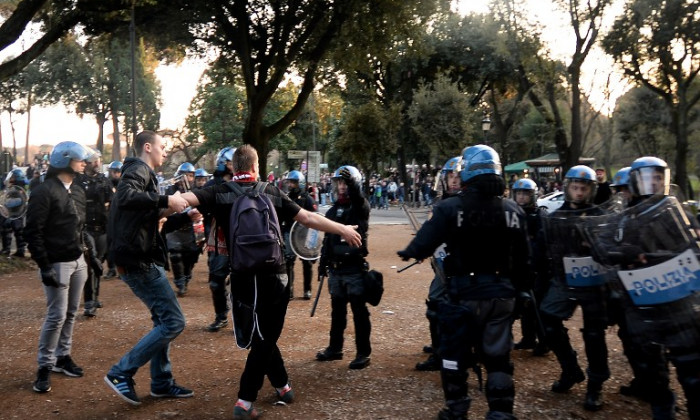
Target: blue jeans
{"type": "Point", "coordinates": [152, 287]}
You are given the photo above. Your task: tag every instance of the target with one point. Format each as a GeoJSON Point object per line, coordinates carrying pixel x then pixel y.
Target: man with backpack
{"type": "Point", "coordinates": [247, 211]}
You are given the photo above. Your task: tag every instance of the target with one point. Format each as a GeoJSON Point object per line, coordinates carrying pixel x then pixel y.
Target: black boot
{"type": "Point", "coordinates": [594, 397]}
{"type": "Point", "coordinates": [433, 363]}
{"type": "Point", "coordinates": [569, 377]}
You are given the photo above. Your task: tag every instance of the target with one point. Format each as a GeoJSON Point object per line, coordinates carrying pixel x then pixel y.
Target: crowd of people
{"type": "Point", "coordinates": [497, 257]}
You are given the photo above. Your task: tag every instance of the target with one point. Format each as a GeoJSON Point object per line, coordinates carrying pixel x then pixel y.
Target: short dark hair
{"type": "Point", "coordinates": [142, 138]}
{"type": "Point", "coordinates": [244, 158]}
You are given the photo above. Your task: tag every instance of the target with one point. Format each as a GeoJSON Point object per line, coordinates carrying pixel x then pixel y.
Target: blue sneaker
{"type": "Point", "coordinates": [240, 413]}
{"type": "Point", "coordinates": [173, 391]}
{"type": "Point", "coordinates": [124, 387]}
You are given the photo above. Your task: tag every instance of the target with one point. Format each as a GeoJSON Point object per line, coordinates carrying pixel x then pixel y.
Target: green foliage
{"type": "Point", "coordinates": [439, 117]}
{"type": "Point", "coordinates": [642, 123]}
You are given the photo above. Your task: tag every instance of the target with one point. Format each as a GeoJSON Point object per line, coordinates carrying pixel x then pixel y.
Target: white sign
{"type": "Point", "coordinates": [296, 154]}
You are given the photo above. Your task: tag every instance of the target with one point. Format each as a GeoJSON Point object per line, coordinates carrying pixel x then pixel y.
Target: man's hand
{"type": "Point", "coordinates": [195, 215]}
{"type": "Point", "coordinates": [49, 277]}
{"type": "Point", "coordinates": [404, 255]}
{"type": "Point", "coordinates": [351, 235]}
{"type": "Point", "coordinates": [347, 176]}
{"type": "Point", "coordinates": [176, 203]}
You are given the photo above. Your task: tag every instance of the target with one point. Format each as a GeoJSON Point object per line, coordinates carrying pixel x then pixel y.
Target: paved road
{"type": "Point", "coordinates": [393, 216]}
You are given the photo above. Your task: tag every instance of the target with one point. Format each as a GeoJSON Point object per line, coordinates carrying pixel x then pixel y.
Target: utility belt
{"type": "Point", "coordinates": [96, 229]}
{"type": "Point", "coordinates": [349, 264]}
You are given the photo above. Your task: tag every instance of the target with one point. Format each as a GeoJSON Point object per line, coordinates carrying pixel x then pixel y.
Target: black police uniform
{"type": "Point", "coordinates": [98, 192]}
{"type": "Point", "coordinates": [304, 200]}
{"type": "Point", "coordinates": [182, 246]}
{"type": "Point", "coordinates": [561, 301]}
{"type": "Point", "coordinates": [346, 270]}
{"type": "Point", "coordinates": [487, 255]}
{"type": "Point", "coordinates": [9, 226]}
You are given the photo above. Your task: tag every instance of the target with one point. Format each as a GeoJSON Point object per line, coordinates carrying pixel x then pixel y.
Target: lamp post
{"type": "Point", "coordinates": [486, 127]}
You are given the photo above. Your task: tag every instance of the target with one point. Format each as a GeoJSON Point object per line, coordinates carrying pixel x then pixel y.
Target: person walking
{"type": "Point", "coordinates": [55, 218]}
{"type": "Point", "coordinates": [263, 295]}
{"type": "Point", "coordinates": [138, 251]}
{"type": "Point", "coordinates": [485, 264]}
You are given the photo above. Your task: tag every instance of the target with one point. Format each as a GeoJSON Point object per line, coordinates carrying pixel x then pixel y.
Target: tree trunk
{"type": "Point", "coordinates": [14, 140]}
{"type": "Point", "coordinates": [100, 118]}
{"type": "Point", "coordinates": [679, 124]}
{"type": "Point", "coordinates": [26, 140]}
{"type": "Point", "coordinates": [574, 151]}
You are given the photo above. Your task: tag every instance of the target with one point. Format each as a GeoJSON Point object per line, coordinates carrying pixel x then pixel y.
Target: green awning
{"type": "Point", "coordinates": [517, 167]}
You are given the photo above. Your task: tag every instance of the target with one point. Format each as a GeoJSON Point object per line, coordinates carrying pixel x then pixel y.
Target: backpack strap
{"type": "Point", "coordinates": [231, 196]}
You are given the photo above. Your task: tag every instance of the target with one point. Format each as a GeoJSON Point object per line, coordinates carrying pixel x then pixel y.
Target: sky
{"type": "Point", "coordinates": [55, 124]}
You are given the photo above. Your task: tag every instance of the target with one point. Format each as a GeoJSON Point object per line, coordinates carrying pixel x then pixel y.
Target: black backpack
{"type": "Point", "coordinates": [255, 239]}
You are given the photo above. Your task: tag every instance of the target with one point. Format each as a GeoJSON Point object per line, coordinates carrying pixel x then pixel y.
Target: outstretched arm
{"type": "Point", "coordinates": [315, 221]}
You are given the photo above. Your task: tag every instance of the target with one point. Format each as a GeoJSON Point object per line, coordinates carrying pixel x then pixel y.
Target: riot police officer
{"type": "Point", "coordinates": [114, 173]}
{"type": "Point", "coordinates": [346, 268]}
{"type": "Point", "coordinates": [449, 182]}
{"type": "Point", "coordinates": [296, 190]}
{"type": "Point", "coordinates": [217, 253]}
{"type": "Point", "coordinates": [201, 177]}
{"type": "Point", "coordinates": [98, 193]}
{"type": "Point", "coordinates": [487, 254]}
{"type": "Point", "coordinates": [664, 321]}
{"type": "Point", "coordinates": [524, 192]}
{"type": "Point", "coordinates": [179, 232]}
{"type": "Point", "coordinates": [568, 290]}
{"type": "Point", "coordinates": [14, 225]}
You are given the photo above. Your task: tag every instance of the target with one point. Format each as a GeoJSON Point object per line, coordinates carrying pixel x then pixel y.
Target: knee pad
{"type": "Point", "coordinates": [498, 364]}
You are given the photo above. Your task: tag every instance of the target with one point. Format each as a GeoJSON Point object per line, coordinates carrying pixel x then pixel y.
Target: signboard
{"type": "Point", "coordinates": [313, 163]}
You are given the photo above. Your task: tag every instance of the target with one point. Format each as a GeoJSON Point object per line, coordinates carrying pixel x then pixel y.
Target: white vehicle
{"type": "Point", "coordinates": [551, 201]}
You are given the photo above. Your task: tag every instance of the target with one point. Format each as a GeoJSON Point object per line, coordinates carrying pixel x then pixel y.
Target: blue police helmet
{"type": "Point", "coordinates": [479, 160]}
{"type": "Point", "coordinates": [622, 177]}
{"type": "Point", "coordinates": [524, 184]}
{"type": "Point", "coordinates": [452, 165]}
{"type": "Point", "coordinates": [201, 173]}
{"type": "Point", "coordinates": [20, 176]}
{"type": "Point", "coordinates": [65, 151]}
{"type": "Point", "coordinates": [354, 173]}
{"type": "Point", "coordinates": [649, 176]}
{"type": "Point", "coordinates": [93, 155]}
{"type": "Point", "coordinates": [185, 167]}
{"type": "Point", "coordinates": [115, 166]}
{"type": "Point", "coordinates": [224, 155]}
{"type": "Point", "coordinates": [297, 176]}
{"type": "Point", "coordinates": [581, 172]}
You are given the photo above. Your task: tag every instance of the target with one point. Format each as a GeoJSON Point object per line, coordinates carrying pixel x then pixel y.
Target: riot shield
{"type": "Point", "coordinates": [653, 250]}
{"type": "Point", "coordinates": [305, 242]}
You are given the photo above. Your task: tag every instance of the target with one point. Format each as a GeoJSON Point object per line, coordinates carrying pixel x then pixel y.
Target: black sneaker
{"type": "Point", "coordinates": [327, 354]}
{"type": "Point", "coordinates": [173, 391]}
{"type": "Point", "coordinates": [90, 312]}
{"type": "Point", "coordinates": [124, 387]}
{"type": "Point", "coordinates": [217, 325]}
{"type": "Point", "coordinates": [524, 345]}
{"type": "Point", "coordinates": [182, 291]}
{"type": "Point", "coordinates": [567, 380]}
{"type": "Point", "coordinates": [64, 364]}
{"type": "Point", "coordinates": [98, 304]}
{"type": "Point", "coordinates": [431, 364]}
{"type": "Point", "coordinates": [43, 380]}
{"type": "Point", "coordinates": [360, 362]}
{"type": "Point", "coordinates": [307, 295]}
{"type": "Point", "coordinates": [110, 273]}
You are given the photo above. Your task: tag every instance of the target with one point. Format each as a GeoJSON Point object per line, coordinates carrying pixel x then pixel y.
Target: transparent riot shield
{"type": "Point", "coordinates": [571, 255]}
{"type": "Point", "coordinates": [653, 250]}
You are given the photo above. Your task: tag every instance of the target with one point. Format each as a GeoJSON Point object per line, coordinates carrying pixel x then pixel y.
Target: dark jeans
{"type": "Point", "coordinates": [91, 292]}
{"type": "Point", "coordinates": [219, 270]}
{"type": "Point", "coordinates": [349, 288]}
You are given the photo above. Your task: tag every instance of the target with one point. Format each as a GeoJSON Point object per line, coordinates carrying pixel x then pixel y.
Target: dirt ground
{"type": "Point", "coordinates": [211, 364]}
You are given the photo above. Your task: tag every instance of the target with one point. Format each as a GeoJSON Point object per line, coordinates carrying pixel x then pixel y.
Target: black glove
{"type": "Point", "coordinates": [404, 255]}
{"type": "Point", "coordinates": [96, 266]}
{"type": "Point", "coordinates": [347, 176]}
{"type": "Point", "coordinates": [322, 270]}
{"type": "Point", "coordinates": [49, 277]}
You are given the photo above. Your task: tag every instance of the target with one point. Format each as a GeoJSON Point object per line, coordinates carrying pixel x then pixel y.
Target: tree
{"type": "Point", "coordinates": [642, 123]}
{"type": "Point", "coordinates": [53, 18]}
{"type": "Point", "coordinates": [266, 41]}
{"type": "Point", "coordinates": [658, 46]}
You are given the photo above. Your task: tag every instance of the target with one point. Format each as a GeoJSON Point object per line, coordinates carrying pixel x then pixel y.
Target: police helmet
{"type": "Point", "coordinates": [65, 151]}
{"type": "Point", "coordinates": [224, 155]}
{"type": "Point", "coordinates": [19, 175]}
{"type": "Point", "coordinates": [354, 173]}
{"type": "Point", "coordinates": [479, 160]}
{"type": "Point", "coordinates": [93, 155]}
{"type": "Point", "coordinates": [115, 166]}
{"type": "Point", "coordinates": [580, 174]}
{"type": "Point", "coordinates": [453, 165]}
{"type": "Point", "coordinates": [649, 176]}
{"type": "Point", "coordinates": [185, 168]}
{"type": "Point", "coordinates": [201, 173]}
{"type": "Point", "coordinates": [527, 185]}
{"type": "Point", "coordinates": [621, 178]}
{"type": "Point", "coordinates": [298, 177]}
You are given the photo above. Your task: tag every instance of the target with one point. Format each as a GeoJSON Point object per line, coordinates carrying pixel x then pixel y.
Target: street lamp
{"type": "Point", "coordinates": [485, 127]}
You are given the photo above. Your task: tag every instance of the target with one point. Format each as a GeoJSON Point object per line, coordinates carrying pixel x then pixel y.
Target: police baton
{"type": "Point", "coordinates": [409, 266]}
{"type": "Point", "coordinates": [318, 293]}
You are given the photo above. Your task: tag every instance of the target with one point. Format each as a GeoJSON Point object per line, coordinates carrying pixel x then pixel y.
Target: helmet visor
{"type": "Point", "coordinates": [651, 180]}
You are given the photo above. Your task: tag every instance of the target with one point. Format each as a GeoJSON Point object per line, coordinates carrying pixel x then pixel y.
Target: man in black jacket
{"type": "Point", "coordinates": [139, 254]}
{"type": "Point", "coordinates": [55, 217]}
